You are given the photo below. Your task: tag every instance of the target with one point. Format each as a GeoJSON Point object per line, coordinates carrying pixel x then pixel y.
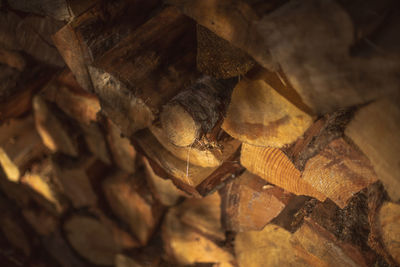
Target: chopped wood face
{"type": "Point", "coordinates": [249, 203]}
{"type": "Point", "coordinates": [259, 115]}
{"type": "Point", "coordinates": [339, 172]}
{"type": "Point", "coordinates": [375, 130]}
{"type": "Point", "coordinates": [389, 220]}
{"type": "Point", "coordinates": [275, 167]}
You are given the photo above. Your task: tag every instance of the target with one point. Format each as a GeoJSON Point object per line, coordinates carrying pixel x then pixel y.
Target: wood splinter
{"type": "Point", "coordinates": [196, 111]}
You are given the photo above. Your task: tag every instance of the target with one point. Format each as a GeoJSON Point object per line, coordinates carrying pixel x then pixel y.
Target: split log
{"type": "Point", "coordinates": [375, 130]}
{"type": "Point", "coordinates": [55, 133]}
{"type": "Point", "coordinates": [74, 179]}
{"type": "Point", "coordinates": [185, 176]}
{"type": "Point", "coordinates": [389, 225]}
{"type": "Point", "coordinates": [94, 32]}
{"type": "Point", "coordinates": [132, 92]}
{"type": "Point", "coordinates": [91, 239]}
{"type": "Point", "coordinates": [73, 100]}
{"type": "Point", "coordinates": [132, 202]}
{"type": "Point", "coordinates": [201, 154]}
{"type": "Point", "coordinates": [43, 222]}
{"type": "Point", "coordinates": [12, 58]}
{"type": "Point", "coordinates": [163, 190]}
{"type": "Point", "coordinates": [19, 146]}
{"type": "Point", "coordinates": [195, 111]}
{"type": "Point", "coordinates": [218, 58]}
{"type": "Point", "coordinates": [326, 248]}
{"type": "Point", "coordinates": [96, 141]}
{"type": "Point", "coordinates": [222, 18]}
{"type": "Point", "coordinates": [272, 246]}
{"type": "Point", "coordinates": [185, 246]}
{"type": "Point", "coordinates": [40, 179]}
{"type": "Point", "coordinates": [16, 192]}
{"type": "Point", "coordinates": [123, 153]}
{"type": "Point", "coordinates": [327, 79]}
{"type": "Point", "coordinates": [204, 215]}
{"type": "Point", "coordinates": [274, 166]}
{"type": "Point", "coordinates": [249, 203]}
{"type": "Point", "coordinates": [263, 115]}
{"type": "Point", "coordinates": [60, 10]}
{"type": "Point", "coordinates": [339, 172]}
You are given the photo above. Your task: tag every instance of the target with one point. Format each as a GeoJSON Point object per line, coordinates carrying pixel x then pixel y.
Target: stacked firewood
{"type": "Point", "coordinates": [199, 133]}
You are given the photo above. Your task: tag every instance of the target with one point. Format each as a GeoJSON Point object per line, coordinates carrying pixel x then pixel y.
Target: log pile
{"type": "Point", "coordinates": [199, 133]}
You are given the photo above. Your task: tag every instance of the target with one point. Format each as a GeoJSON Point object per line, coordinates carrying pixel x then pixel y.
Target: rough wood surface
{"type": "Point", "coordinates": [91, 239]}
{"type": "Point", "coordinates": [275, 167]}
{"type": "Point", "coordinates": [218, 58]}
{"type": "Point", "coordinates": [204, 215]}
{"type": "Point", "coordinates": [163, 190]}
{"type": "Point", "coordinates": [195, 111]}
{"type": "Point", "coordinates": [260, 115]}
{"type": "Point", "coordinates": [133, 203]}
{"type": "Point", "coordinates": [203, 155]}
{"type": "Point", "coordinates": [389, 220]}
{"type": "Point", "coordinates": [132, 92]}
{"type": "Point", "coordinates": [20, 144]}
{"type": "Point", "coordinates": [55, 133]}
{"type": "Point", "coordinates": [375, 130]}
{"type": "Point", "coordinates": [327, 79]}
{"type": "Point", "coordinates": [123, 153]}
{"type": "Point", "coordinates": [339, 171]}
{"type": "Point", "coordinates": [186, 246]}
{"type": "Point", "coordinates": [249, 203]}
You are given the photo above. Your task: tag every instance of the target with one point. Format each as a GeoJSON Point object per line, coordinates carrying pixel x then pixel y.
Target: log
{"type": "Point", "coordinates": [249, 203]}
{"type": "Point", "coordinates": [91, 239]}
{"type": "Point", "coordinates": [94, 32]}
{"type": "Point", "coordinates": [216, 57]}
{"type": "Point", "coordinates": [339, 172]}
{"type": "Point", "coordinates": [326, 248]}
{"type": "Point", "coordinates": [274, 166]}
{"type": "Point", "coordinates": [203, 155]}
{"type": "Point", "coordinates": [388, 221]}
{"type": "Point", "coordinates": [96, 141]}
{"type": "Point", "coordinates": [132, 202]}
{"type": "Point", "coordinates": [272, 246]}
{"type": "Point", "coordinates": [204, 215]}
{"type": "Point", "coordinates": [12, 58]}
{"type": "Point", "coordinates": [123, 153]}
{"type": "Point", "coordinates": [72, 99]}
{"type": "Point", "coordinates": [132, 92]}
{"type": "Point", "coordinates": [263, 115]}
{"type": "Point", "coordinates": [19, 146]}
{"type": "Point", "coordinates": [185, 176]}
{"type": "Point", "coordinates": [222, 19]}
{"type": "Point", "coordinates": [45, 190]}
{"type": "Point", "coordinates": [14, 232]}
{"type": "Point", "coordinates": [327, 79]}
{"type": "Point", "coordinates": [185, 246]}
{"type": "Point", "coordinates": [162, 189]}
{"type": "Point", "coordinates": [54, 131]}
{"type": "Point", "coordinates": [43, 222]}
{"type": "Point", "coordinates": [75, 180]}
{"type": "Point", "coordinates": [64, 10]}
{"type": "Point", "coordinates": [379, 143]}
{"type": "Point", "coordinates": [195, 111]}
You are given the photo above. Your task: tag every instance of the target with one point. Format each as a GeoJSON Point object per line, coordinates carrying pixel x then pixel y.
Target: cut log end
{"type": "Point", "coordinates": [180, 127]}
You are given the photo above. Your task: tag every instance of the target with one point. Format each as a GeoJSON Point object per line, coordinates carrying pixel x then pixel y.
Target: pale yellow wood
{"type": "Point", "coordinates": [195, 154]}
{"type": "Point", "coordinates": [275, 167]}
{"type": "Point", "coordinates": [375, 129]}
{"type": "Point", "coordinates": [259, 115]}
{"type": "Point", "coordinates": [188, 246]}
